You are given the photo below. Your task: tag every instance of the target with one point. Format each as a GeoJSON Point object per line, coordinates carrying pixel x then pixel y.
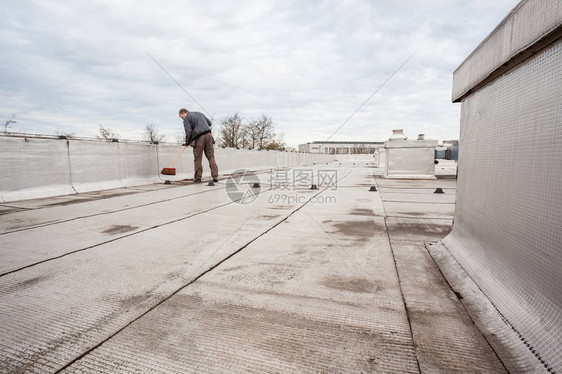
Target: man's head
{"type": "Point", "coordinates": [183, 113]}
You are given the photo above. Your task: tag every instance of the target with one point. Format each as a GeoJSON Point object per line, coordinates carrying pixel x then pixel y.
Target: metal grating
{"type": "Point", "coordinates": [508, 215]}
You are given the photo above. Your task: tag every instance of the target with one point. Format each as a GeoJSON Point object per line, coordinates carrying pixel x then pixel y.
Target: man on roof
{"type": "Point", "coordinates": [198, 135]}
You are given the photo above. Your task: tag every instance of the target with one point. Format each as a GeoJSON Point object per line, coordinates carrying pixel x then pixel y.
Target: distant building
{"type": "Point", "coordinates": [449, 150]}
{"type": "Point", "coordinates": [452, 152]}
{"type": "Point", "coordinates": [340, 148]}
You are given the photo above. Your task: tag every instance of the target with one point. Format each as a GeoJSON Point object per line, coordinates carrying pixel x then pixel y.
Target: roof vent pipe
{"type": "Point", "coordinates": [398, 135]}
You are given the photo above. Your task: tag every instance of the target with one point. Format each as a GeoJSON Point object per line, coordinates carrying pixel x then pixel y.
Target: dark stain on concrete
{"type": "Point", "coordinates": [420, 228]}
{"type": "Point", "coordinates": [4, 209]}
{"type": "Point", "coordinates": [234, 268]}
{"type": "Point", "coordinates": [281, 207]}
{"type": "Point", "coordinates": [105, 195]}
{"type": "Point", "coordinates": [358, 229]}
{"type": "Point", "coordinates": [362, 212]}
{"type": "Point", "coordinates": [70, 202]}
{"type": "Point", "coordinates": [269, 216]}
{"type": "Point", "coordinates": [413, 213]}
{"type": "Point", "coordinates": [24, 223]}
{"type": "Point", "coordinates": [355, 284]}
{"type": "Point", "coordinates": [23, 285]}
{"type": "Point", "coordinates": [119, 229]}
{"type": "Point", "coordinates": [132, 301]}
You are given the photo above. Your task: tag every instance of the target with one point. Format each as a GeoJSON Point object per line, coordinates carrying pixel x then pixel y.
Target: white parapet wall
{"type": "Point", "coordinates": [507, 232]}
{"type": "Point", "coordinates": [31, 168]}
{"type": "Point", "coordinates": [34, 167]}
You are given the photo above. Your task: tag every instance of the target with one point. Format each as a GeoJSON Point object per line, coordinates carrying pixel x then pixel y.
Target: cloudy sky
{"type": "Point", "coordinates": [73, 65]}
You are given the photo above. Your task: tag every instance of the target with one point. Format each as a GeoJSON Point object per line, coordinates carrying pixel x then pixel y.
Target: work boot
{"type": "Point", "coordinates": [215, 179]}
{"type": "Point", "coordinates": [196, 180]}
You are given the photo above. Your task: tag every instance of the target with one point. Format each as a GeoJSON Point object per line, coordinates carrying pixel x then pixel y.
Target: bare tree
{"type": "Point", "coordinates": [9, 122]}
{"type": "Point", "coordinates": [68, 134]}
{"type": "Point", "coordinates": [262, 132]}
{"type": "Point", "coordinates": [151, 134]}
{"type": "Point", "coordinates": [277, 144]}
{"type": "Point", "coordinates": [257, 134]}
{"type": "Point", "coordinates": [107, 134]}
{"type": "Point", "coordinates": [248, 137]}
{"type": "Point", "coordinates": [231, 132]}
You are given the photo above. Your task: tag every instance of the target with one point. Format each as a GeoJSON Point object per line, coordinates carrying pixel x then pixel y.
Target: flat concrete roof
{"type": "Point", "coordinates": [179, 278]}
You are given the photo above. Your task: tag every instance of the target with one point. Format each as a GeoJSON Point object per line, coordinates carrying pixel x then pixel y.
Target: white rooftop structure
{"type": "Point", "coordinates": [409, 159]}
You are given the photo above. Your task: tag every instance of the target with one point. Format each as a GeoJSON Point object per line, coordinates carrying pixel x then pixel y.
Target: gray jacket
{"type": "Point", "coordinates": [195, 125]}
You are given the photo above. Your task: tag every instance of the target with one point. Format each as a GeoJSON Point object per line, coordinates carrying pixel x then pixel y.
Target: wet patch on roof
{"type": "Point", "coordinates": [358, 229]}
{"type": "Point", "coordinates": [269, 216]}
{"type": "Point", "coordinates": [234, 268]}
{"type": "Point", "coordinates": [106, 194]}
{"type": "Point", "coordinates": [23, 285]}
{"type": "Point", "coordinates": [76, 200]}
{"type": "Point", "coordinates": [119, 229]}
{"type": "Point", "coordinates": [354, 284]}
{"type": "Point", "coordinates": [362, 212]}
{"type": "Point", "coordinates": [6, 209]}
{"type": "Point", "coordinates": [420, 228]}
{"type": "Point", "coordinates": [282, 207]}
{"type": "Point", "coordinates": [23, 223]}
{"type": "Point", "coordinates": [132, 301]}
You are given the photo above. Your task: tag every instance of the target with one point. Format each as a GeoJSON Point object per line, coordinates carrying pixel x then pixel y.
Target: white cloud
{"type": "Point", "coordinates": [309, 65]}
